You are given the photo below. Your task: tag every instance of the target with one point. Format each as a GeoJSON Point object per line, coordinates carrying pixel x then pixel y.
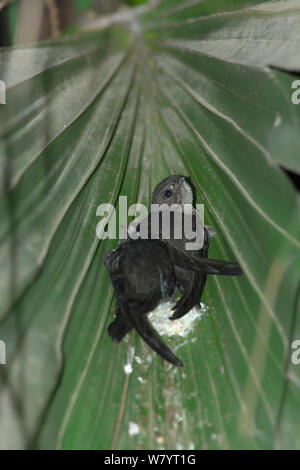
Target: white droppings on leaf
{"type": "Point", "coordinates": [130, 356]}
{"type": "Point", "coordinates": [128, 369]}
{"type": "Point", "coordinates": [130, 353]}
{"type": "Point", "coordinates": [141, 380]}
{"type": "Point", "coordinates": [180, 327]}
{"type": "Point", "coordinates": [180, 345]}
{"type": "Point", "coordinates": [149, 359]}
{"type": "Point", "coordinates": [138, 359]}
{"type": "Point", "coordinates": [133, 429]}
{"type": "Point", "coordinates": [178, 417]}
{"type": "Point", "coordinates": [203, 307]}
{"type": "Point", "coordinates": [219, 438]}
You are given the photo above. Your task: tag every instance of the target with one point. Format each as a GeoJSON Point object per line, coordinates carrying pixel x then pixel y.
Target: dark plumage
{"type": "Point", "coordinates": [142, 275]}
{"type": "Point", "coordinates": [145, 272]}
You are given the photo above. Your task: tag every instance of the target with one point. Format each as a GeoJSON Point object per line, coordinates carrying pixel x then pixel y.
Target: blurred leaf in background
{"type": "Point", "coordinates": [136, 2]}
{"type": "Point", "coordinates": [170, 87]}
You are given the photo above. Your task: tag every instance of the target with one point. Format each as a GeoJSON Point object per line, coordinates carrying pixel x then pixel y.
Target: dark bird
{"type": "Point", "coordinates": [144, 272]}
{"type": "Point", "coordinates": [142, 275]}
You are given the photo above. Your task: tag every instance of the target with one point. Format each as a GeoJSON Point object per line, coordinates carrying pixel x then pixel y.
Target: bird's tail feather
{"type": "Point", "coordinates": [150, 336]}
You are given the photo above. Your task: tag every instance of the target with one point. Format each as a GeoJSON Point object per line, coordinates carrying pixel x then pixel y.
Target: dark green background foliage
{"type": "Point", "coordinates": [181, 87]}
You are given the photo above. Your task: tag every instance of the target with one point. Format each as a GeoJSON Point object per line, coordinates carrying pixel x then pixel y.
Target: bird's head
{"type": "Point", "coordinates": [173, 190]}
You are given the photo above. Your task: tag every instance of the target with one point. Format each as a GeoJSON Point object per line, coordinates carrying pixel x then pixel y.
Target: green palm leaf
{"type": "Point", "coordinates": [181, 87]}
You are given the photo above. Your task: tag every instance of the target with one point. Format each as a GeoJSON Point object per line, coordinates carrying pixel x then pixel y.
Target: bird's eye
{"type": "Point", "coordinates": [168, 193]}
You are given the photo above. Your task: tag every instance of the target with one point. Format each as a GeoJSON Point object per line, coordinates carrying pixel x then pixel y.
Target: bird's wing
{"type": "Point", "coordinates": [186, 260]}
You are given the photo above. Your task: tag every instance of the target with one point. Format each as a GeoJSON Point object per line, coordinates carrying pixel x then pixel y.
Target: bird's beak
{"type": "Point", "coordinates": [181, 180]}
